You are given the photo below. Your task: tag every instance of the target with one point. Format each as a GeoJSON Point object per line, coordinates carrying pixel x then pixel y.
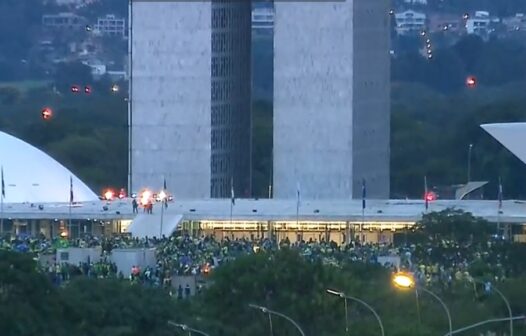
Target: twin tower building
{"type": "Point", "coordinates": [190, 106]}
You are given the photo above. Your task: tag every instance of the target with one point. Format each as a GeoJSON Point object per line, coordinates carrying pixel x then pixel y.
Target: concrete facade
{"type": "Point", "coordinates": [190, 97]}
{"type": "Point", "coordinates": [331, 99]}
{"type": "Point", "coordinates": [371, 98]}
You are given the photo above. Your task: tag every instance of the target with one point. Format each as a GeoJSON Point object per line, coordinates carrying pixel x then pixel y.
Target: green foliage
{"type": "Point", "coordinates": [456, 225]}
{"type": "Point", "coordinates": [115, 308]}
{"type": "Point", "coordinates": [68, 74]}
{"type": "Point", "coordinates": [29, 305]}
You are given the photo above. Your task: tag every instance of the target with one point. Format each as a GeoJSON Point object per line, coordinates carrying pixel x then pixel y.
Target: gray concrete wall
{"type": "Point", "coordinates": [331, 99]}
{"type": "Point", "coordinates": [371, 104]}
{"type": "Point", "coordinates": [171, 101]}
{"type": "Point", "coordinates": [191, 97]}
{"type": "Point", "coordinates": [313, 98]}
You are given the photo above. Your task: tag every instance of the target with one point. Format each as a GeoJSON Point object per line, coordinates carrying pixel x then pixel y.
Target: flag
{"type": "Point", "coordinates": [364, 194]}
{"type": "Point", "coordinates": [426, 199]}
{"type": "Point", "coordinates": [164, 184]}
{"type": "Point", "coordinates": [3, 183]}
{"type": "Point", "coordinates": [232, 194]}
{"type": "Point", "coordinates": [71, 189]}
{"type": "Point", "coordinates": [500, 194]}
{"type": "Point", "coordinates": [298, 194]}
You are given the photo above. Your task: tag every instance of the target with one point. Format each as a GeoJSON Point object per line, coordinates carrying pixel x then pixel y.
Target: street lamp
{"type": "Point", "coordinates": [347, 297]}
{"type": "Point", "coordinates": [406, 281]}
{"type": "Point", "coordinates": [162, 198]}
{"type": "Point", "coordinates": [469, 162]}
{"type": "Point", "coordinates": [499, 293]}
{"type": "Point", "coordinates": [271, 312]}
{"type": "Point", "coordinates": [184, 327]}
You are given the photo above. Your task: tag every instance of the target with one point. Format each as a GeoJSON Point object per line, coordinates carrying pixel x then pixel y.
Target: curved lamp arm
{"type": "Point", "coordinates": [268, 311]}
{"type": "Point", "coordinates": [446, 309]}
{"type": "Point", "coordinates": [506, 301]}
{"type": "Point", "coordinates": [187, 328]}
{"type": "Point", "coordinates": [371, 309]}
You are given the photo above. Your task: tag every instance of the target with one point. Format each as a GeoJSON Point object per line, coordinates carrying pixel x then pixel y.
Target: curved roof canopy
{"type": "Point", "coordinates": [510, 135]}
{"type": "Point", "coordinates": [31, 175]}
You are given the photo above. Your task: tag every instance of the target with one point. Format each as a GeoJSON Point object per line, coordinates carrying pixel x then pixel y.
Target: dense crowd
{"type": "Point", "coordinates": [433, 261]}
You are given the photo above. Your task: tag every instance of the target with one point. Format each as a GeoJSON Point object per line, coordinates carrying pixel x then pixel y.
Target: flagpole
{"type": "Point", "coordinates": [164, 203]}
{"type": "Point", "coordinates": [2, 203]}
{"type": "Point", "coordinates": [2, 215]}
{"type": "Point", "coordinates": [70, 234]}
{"type": "Point", "coordinates": [426, 201]}
{"type": "Point", "coordinates": [232, 199]}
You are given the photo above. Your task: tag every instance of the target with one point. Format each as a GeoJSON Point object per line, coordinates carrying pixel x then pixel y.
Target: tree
{"type": "Point", "coordinates": [75, 73]}
{"type": "Point", "coordinates": [29, 305]}
{"type": "Point", "coordinates": [114, 308]}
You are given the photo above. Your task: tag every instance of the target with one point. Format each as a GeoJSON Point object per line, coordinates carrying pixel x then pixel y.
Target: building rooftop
{"type": "Point", "coordinates": [273, 210]}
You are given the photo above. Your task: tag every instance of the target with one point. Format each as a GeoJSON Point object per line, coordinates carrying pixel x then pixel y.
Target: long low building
{"type": "Point", "coordinates": [336, 220]}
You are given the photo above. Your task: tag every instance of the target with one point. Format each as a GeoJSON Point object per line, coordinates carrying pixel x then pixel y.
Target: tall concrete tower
{"type": "Point", "coordinates": [190, 96]}
{"type": "Point", "coordinates": [331, 99]}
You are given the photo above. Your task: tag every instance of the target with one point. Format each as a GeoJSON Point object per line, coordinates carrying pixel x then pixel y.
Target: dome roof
{"type": "Point", "coordinates": [31, 175]}
{"type": "Point", "coordinates": [511, 136]}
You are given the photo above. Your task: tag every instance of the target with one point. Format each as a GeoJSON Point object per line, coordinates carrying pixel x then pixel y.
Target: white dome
{"type": "Point", "coordinates": [31, 175]}
{"type": "Point", "coordinates": [510, 135]}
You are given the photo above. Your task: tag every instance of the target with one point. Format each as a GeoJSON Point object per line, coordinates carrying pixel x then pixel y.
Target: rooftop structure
{"type": "Point", "coordinates": [510, 135]}
{"type": "Point", "coordinates": [32, 176]}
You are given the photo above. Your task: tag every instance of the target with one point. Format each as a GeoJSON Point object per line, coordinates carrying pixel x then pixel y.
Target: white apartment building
{"type": "Point", "coordinates": [409, 22]}
{"type": "Point", "coordinates": [111, 25]}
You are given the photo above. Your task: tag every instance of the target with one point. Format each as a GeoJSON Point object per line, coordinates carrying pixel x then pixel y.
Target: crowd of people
{"type": "Point", "coordinates": [433, 261]}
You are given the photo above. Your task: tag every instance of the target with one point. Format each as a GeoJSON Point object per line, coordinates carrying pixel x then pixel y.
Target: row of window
{"type": "Point", "coordinates": [221, 139]}
{"type": "Point", "coordinates": [222, 66]}
{"type": "Point", "coordinates": [229, 41]}
{"type": "Point", "coordinates": [224, 90]}
{"type": "Point", "coordinates": [230, 15]}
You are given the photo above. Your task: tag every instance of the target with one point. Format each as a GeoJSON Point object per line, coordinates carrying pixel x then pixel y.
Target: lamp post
{"type": "Point", "coordinates": [184, 327]}
{"type": "Point", "coordinates": [162, 197]}
{"type": "Point", "coordinates": [405, 280]}
{"type": "Point", "coordinates": [271, 312]}
{"type": "Point", "coordinates": [506, 301]}
{"type": "Point", "coordinates": [470, 148]}
{"type": "Point", "coordinates": [347, 297]}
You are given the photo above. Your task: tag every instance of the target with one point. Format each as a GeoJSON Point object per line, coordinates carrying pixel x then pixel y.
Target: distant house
{"type": "Point", "coordinates": [515, 23]}
{"type": "Point", "coordinates": [479, 24]}
{"type": "Point", "coordinates": [111, 25]}
{"type": "Point", "coordinates": [416, 2]}
{"type": "Point", "coordinates": [63, 21]}
{"type": "Point", "coordinates": [446, 23]}
{"type": "Point", "coordinates": [409, 22]}
{"type": "Point", "coordinates": [98, 68]}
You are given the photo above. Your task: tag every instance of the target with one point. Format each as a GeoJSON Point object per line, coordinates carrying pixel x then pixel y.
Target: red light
{"type": "Point", "coordinates": [75, 89]}
{"type": "Point", "coordinates": [122, 193]}
{"type": "Point", "coordinates": [471, 82]}
{"type": "Point", "coordinates": [430, 196]}
{"type": "Point", "coordinates": [47, 113]}
{"type": "Point", "coordinates": [87, 90]}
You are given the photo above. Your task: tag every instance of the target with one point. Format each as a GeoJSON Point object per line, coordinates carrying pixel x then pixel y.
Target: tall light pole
{"type": "Point", "coordinates": [506, 301]}
{"type": "Point", "coordinates": [347, 297]}
{"type": "Point", "coordinates": [470, 148]}
{"type": "Point", "coordinates": [271, 312]}
{"type": "Point", "coordinates": [184, 327]}
{"type": "Point", "coordinates": [405, 280]}
{"type": "Point", "coordinates": [163, 198]}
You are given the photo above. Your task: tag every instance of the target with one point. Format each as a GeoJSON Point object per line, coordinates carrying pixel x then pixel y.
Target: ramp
{"type": "Point", "coordinates": [149, 225]}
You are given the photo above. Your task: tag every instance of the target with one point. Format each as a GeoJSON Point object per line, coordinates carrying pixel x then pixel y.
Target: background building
{"type": "Point", "coordinates": [190, 97]}
{"type": "Point", "coordinates": [331, 99]}
{"type": "Point", "coordinates": [111, 25]}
